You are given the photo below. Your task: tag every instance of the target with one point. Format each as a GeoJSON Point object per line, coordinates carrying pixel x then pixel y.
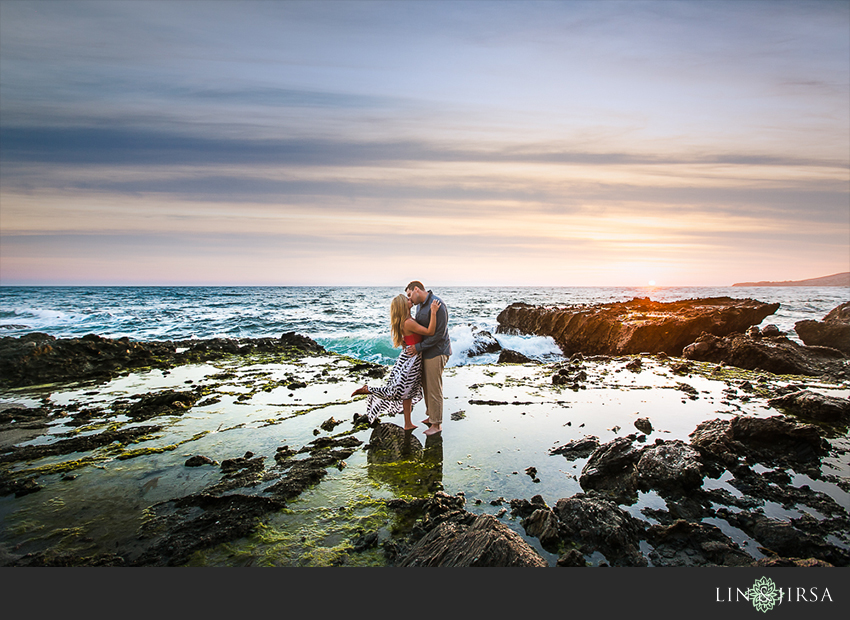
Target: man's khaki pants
{"type": "Point", "coordinates": [432, 386]}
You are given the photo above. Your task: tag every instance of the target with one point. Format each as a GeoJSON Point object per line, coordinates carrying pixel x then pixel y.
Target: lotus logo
{"type": "Point", "coordinates": [764, 595]}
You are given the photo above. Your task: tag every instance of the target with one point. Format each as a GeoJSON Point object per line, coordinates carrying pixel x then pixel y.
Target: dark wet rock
{"type": "Point", "coordinates": [779, 562]}
{"type": "Point", "coordinates": [508, 356]}
{"type": "Point", "coordinates": [18, 488]}
{"type": "Point", "coordinates": [690, 390]}
{"type": "Point", "coordinates": [669, 466]}
{"type": "Point", "coordinates": [375, 371]}
{"type": "Point", "coordinates": [572, 559]}
{"type": "Point", "coordinates": [694, 544]}
{"type": "Point", "coordinates": [445, 534]}
{"type": "Point", "coordinates": [466, 540]}
{"type": "Point", "coordinates": [28, 417]}
{"type": "Point", "coordinates": [178, 531]}
{"type": "Point", "coordinates": [38, 358]}
{"type": "Point", "coordinates": [771, 440]}
{"type": "Point", "coordinates": [390, 442]}
{"type": "Point", "coordinates": [524, 508]}
{"type": "Point", "coordinates": [814, 406]}
{"type": "Point", "coordinates": [643, 425]}
{"type": "Point", "coordinates": [681, 368]}
{"type": "Point", "coordinates": [56, 560]}
{"type": "Point", "coordinates": [482, 342]}
{"type": "Point", "coordinates": [83, 443]}
{"type": "Point", "coordinates": [364, 542]}
{"type": "Point", "coordinates": [595, 523]}
{"type": "Point", "coordinates": [636, 326]}
{"type": "Point", "coordinates": [198, 460]}
{"type": "Point", "coordinates": [249, 461]}
{"type": "Point", "coordinates": [783, 539]}
{"type": "Point", "coordinates": [299, 474]}
{"type": "Point", "coordinates": [777, 355]}
{"type": "Point", "coordinates": [330, 424]}
{"type": "Point", "coordinates": [771, 331]}
{"type": "Point", "coordinates": [577, 448]}
{"type": "Point", "coordinates": [283, 453]}
{"type": "Point", "coordinates": [569, 375]}
{"type": "Point", "coordinates": [833, 331]}
{"type": "Point", "coordinates": [612, 469]}
{"type": "Point", "coordinates": [168, 402]}
{"type": "Point", "coordinates": [635, 365]}
{"type": "Point", "coordinates": [543, 525]}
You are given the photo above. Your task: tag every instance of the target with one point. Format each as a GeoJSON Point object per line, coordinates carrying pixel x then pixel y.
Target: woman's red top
{"type": "Point", "coordinates": [412, 339]}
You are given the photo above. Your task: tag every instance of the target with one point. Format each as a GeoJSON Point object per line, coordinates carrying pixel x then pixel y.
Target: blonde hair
{"type": "Point", "coordinates": [399, 313]}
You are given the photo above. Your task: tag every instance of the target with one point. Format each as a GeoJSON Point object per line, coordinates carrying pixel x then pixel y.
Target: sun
{"type": "Point", "coordinates": [651, 283]}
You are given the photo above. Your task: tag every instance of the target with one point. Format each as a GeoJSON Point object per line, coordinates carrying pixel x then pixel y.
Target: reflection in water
{"type": "Point", "coordinates": [397, 458]}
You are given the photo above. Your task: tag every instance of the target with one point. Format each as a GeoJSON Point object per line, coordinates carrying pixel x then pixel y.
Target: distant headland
{"type": "Point", "coordinates": [837, 279]}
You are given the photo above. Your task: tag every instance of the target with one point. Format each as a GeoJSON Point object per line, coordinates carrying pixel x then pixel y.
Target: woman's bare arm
{"type": "Point", "coordinates": [413, 327]}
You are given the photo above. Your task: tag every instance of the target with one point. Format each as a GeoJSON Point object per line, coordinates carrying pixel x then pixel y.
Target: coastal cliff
{"type": "Point", "coordinates": [836, 279]}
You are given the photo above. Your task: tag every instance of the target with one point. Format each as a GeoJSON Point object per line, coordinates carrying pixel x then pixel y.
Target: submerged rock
{"type": "Point", "coordinates": [636, 326]}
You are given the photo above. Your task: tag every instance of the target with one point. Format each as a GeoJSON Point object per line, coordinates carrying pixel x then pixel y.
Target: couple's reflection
{"type": "Point", "coordinates": [397, 458]}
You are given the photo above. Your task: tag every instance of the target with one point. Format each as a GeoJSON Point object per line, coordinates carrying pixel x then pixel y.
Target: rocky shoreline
{"type": "Point", "coordinates": [718, 478]}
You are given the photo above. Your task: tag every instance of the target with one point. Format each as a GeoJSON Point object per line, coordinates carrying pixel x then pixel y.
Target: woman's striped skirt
{"type": "Point", "coordinates": [404, 382]}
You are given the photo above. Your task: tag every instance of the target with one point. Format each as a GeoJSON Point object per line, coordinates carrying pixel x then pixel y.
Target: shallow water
{"type": "Point", "coordinates": [499, 420]}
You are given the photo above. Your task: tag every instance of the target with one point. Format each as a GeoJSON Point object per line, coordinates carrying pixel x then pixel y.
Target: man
{"type": "Point", "coordinates": [435, 351]}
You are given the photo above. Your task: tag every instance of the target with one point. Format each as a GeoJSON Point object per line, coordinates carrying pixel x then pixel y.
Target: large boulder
{"type": "Point", "coordinates": [669, 465]}
{"type": "Point", "coordinates": [448, 536]}
{"type": "Point", "coordinates": [833, 331]}
{"type": "Point", "coordinates": [814, 406]}
{"type": "Point", "coordinates": [595, 523]}
{"type": "Point", "coordinates": [771, 440]}
{"type": "Point", "coordinates": [611, 469]}
{"type": "Point", "coordinates": [636, 326]}
{"type": "Point", "coordinates": [775, 354]}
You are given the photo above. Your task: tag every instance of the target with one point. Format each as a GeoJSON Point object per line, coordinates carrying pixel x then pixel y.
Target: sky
{"type": "Point", "coordinates": [556, 143]}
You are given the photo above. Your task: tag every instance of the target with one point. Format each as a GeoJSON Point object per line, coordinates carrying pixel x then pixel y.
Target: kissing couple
{"type": "Point", "coordinates": [418, 371]}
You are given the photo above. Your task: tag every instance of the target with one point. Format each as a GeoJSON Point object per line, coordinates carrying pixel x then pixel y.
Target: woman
{"type": "Point", "coordinates": [404, 386]}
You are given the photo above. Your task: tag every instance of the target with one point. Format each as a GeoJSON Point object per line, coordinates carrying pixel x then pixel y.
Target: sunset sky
{"type": "Point", "coordinates": [460, 143]}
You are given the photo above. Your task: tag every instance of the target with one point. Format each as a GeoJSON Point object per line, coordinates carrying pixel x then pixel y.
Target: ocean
{"type": "Point", "coordinates": [349, 320]}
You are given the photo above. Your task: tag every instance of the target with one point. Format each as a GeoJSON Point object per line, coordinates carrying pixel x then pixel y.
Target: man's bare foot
{"type": "Point", "coordinates": [426, 422]}
{"type": "Point", "coordinates": [361, 390]}
{"type": "Point", "coordinates": [437, 428]}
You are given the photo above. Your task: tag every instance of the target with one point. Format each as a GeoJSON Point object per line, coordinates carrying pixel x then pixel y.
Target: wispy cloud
{"type": "Point", "coordinates": [506, 137]}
